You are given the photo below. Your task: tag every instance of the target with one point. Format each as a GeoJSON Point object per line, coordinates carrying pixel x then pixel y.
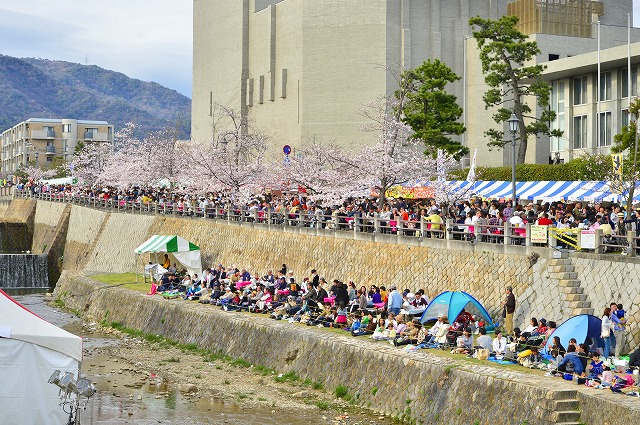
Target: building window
{"type": "Point", "coordinates": [580, 132]}
{"type": "Point", "coordinates": [604, 138]}
{"type": "Point", "coordinates": [66, 128]}
{"type": "Point", "coordinates": [624, 82]}
{"type": "Point", "coordinates": [557, 105]}
{"type": "Point", "coordinates": [51, 132]}
{"type": "Point", "coordinates": [580, 90]}
{"type": "Point", "coordinates": [605, 85]}
{"type": "Point", "coordinates": [553, 57]}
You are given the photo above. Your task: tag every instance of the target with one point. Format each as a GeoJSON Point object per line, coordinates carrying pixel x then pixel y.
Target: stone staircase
{"type": "Point", "coordinates": [566, 407]}
{"type": "Point", "coordinates": [563, 270]}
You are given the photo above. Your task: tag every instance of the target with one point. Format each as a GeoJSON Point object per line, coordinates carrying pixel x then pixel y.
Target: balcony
{"type": "Point", "coordinates": [43, 134]}
{"type": "Point", "coordinates": [96, 136]}
{"type": "Point", "coordinates": [50, 150]}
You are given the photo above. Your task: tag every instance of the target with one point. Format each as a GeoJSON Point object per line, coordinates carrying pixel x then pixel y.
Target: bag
{"type": "Point", "coordinates": [504, 312]}
{"type": "Point", "coordinates": [605, 333]}
{"type": "Point", "coordinates": [483, 354]}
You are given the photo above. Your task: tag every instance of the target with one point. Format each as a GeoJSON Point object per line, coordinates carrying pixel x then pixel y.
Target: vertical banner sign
{"type": "Point", "coordinates": [618, 161]}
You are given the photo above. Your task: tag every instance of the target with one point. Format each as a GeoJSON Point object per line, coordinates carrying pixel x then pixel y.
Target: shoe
{"type": "Point", "coordinates": [453, 351]}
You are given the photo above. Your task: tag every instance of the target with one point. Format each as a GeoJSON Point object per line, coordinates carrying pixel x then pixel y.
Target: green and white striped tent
{"type": "Point", "coordinates": [180, 249]}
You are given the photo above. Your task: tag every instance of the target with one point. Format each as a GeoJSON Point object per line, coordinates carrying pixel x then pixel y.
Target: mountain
{"type": "Point", "coordinates": [41, 88]}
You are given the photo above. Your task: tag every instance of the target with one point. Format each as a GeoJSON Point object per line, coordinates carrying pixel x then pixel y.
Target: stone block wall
{"type": "Point", "coordinates": [100, 241]}
{"type": "Point", "coordinates": [421, 386]}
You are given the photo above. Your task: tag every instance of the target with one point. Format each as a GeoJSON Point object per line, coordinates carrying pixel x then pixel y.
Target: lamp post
{"type": "Point", "coordinates": [36, 155]}
{"type": "Point", "coordinates": [513, 127]}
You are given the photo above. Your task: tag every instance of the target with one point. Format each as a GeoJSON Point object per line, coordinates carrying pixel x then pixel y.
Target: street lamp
{"type": "Point", "coordinates": [36, 155]}
{"type": "Point", "coordinates": [513, 127]}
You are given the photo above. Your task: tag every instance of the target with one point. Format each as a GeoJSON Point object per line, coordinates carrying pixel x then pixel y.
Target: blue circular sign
{"type": "Point", "coordinates": [286, 149]}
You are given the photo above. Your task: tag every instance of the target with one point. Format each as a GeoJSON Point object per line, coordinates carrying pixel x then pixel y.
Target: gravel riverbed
{"type": "Point", "coordinates": [142, 382]}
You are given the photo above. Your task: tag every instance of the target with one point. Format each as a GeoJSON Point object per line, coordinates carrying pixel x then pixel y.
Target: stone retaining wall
{"type": "Point", "coordinates": [100, 241]}
{"type": "Point", "coordinates": [419, 386]}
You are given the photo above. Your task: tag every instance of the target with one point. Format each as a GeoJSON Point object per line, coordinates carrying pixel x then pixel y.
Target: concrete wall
{"type": "Point", "coordinates": [417, 386]}
{"type": "Point", "coordinates": [46, 221]}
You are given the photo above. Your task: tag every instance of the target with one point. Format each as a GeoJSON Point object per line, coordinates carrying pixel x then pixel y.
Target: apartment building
{"type": "Point", "coordinates": [39, 141]}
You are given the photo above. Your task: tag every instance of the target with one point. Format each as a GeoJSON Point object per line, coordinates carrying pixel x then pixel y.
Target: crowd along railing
{"type": "Point", "coordinates": [378, 224]}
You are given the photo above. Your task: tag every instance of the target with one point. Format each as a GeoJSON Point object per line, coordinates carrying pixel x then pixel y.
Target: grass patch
{"type": "Point", "coordinates": [374, 390]}
{"type": "Point", "coordinates": [240, 363]}
{"type": "Point", "coordinates": [262, 399]}
{"type": "Point", "coordinates": [59, 303]}
{"type": "Point", "coordinates": [287, 377]}
{"type": "Point", "coordinates": [342, 392]}
{"type": "Point", "coordinates": [241, 396]}
{"type": "Point", "coordinates": [172, 360]}
{"type": "Point", "coordinates": [322, 405]}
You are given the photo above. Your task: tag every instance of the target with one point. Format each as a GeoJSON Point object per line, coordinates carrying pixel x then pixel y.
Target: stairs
{"type": "Point", "coordinates": [566, 407]}
{"type": "Point", "coordinates": [563, 270]}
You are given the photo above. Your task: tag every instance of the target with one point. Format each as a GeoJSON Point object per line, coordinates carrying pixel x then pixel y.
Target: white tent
{"type": "Point", "coordinates": [31, 349]}
{"type": "Point", "coordinates": [181, 249]}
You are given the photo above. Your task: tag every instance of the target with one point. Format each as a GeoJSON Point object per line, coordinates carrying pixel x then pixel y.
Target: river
{"type": "Point", "coordinates": [143, 383]}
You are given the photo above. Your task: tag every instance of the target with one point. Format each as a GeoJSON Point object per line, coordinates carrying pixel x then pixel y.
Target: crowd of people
{"type": "Point", "coordinates": [387, 314]}
{"type": "Point", "coordinates": [299, 209]}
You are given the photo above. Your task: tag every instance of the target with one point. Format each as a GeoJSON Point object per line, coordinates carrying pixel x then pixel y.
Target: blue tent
{"type": "Point", "coordinates": [579, 327]}
{"type": "Point", "coordinates": [451, 304]}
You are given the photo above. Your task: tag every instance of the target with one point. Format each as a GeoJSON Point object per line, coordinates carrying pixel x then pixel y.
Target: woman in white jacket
{"type": "Point", "coordinates": [499, 345]}
{"type": "Point", "coordinates": [606, 332]}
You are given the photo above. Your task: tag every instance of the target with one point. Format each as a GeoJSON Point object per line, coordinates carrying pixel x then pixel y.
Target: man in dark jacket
{"type": "Point", "coordinates": [509, 305]}
{"type": "Point", "coordinates": [341, 293]}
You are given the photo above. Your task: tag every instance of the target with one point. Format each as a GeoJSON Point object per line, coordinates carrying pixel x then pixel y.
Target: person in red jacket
{"type": "Point", "coordinates": [544, 220]}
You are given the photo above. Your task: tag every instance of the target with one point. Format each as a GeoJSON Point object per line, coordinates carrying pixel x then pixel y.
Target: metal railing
{"type": "Point", "coordinates": [387, 228]}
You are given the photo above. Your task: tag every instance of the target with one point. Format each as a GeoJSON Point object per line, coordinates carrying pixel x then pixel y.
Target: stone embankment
{"type": "Point", "coordinates": [555, 289]}
{"type": "Point", "coordinates": [419, 386]}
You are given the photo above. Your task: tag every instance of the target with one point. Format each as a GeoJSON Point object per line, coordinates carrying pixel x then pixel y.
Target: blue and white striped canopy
{"type": "Point", "coordinates": [590, 191]}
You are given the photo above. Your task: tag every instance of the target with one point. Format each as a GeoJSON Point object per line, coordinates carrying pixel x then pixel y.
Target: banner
{"type": "Point", "coordinates": [421, 192]}
{"type": "Point", "coordinates": [618, 162]}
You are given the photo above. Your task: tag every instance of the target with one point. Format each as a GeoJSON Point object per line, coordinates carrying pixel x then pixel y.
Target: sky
{"type": "Point", "coordinates": [147, 40]}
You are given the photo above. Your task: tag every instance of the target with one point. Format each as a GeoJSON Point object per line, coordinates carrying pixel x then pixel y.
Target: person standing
{"type": "Point", "coordinates": [618, 330]}
{"type": "Point", "coordinates": [394, 301]}
{"type": "Point", "coordinates": [509, 306]}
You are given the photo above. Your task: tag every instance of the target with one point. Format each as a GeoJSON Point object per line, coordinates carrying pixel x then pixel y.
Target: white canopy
{"type": "Point", "coordinates": [16, 322]}
{"type": "Point", "coordinates": [185, 252]}
{"type": "Point", "coordinates": [31, 349]}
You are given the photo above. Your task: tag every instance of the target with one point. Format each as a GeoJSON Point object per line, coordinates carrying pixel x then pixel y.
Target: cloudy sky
{"type": "Point", "coordinates": [148, 40]}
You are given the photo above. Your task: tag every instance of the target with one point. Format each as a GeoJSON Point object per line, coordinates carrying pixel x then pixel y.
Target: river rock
{"type": "Point", "coordinates": [187, 388]}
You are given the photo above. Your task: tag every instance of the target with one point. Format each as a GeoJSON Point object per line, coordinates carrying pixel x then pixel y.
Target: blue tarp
{"type": "Point", "coordinates": [579, 327]}
{"type": "Point", "coordinates": [451, 304]}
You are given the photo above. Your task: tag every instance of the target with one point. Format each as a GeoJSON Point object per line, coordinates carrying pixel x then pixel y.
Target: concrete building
{"type": "Point", "coordinates": [590, 117]}
{"type": "Point", "coordinates": [39, 140]}
{"type": "Point", "coordinates": [298, 69]}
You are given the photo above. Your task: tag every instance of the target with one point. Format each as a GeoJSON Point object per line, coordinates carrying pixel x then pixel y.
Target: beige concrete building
{"type": "Point", "coordinates": [589, 117]}
{"type": "Point", "coordinates": [40, 140]}
{"type": "Point", "coordinates": [298, 69]}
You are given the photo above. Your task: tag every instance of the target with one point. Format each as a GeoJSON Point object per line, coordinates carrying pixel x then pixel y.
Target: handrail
{"type": "Point", "coordinates": [506, 234]}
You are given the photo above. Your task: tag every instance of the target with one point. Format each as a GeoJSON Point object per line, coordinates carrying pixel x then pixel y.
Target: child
{"type": "Point", "coordinates": [596, 367]}
{"type": "Point", "coordinates": [355, 325]}
{"type": "Point", "coordinates": [341, 315]}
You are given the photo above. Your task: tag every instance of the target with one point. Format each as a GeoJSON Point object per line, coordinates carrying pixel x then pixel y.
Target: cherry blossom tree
{"type": "Point", "coordinates": [396, 158]}
{"type": "Point", "coordinates": [318, 168]}
{"type": "Point", "coordinates": [37, 174]}
{"type": "Point", "coordinates": [232, 161]}
{"type": "Point", "coordinates": [88, 164]}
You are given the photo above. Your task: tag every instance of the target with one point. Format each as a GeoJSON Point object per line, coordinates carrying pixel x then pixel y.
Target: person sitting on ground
{"type": "Point", "coordinates": [407, 335]}
{"type": "Point", "coordinates": [499, 345]}
{"type": "Point", "coordinates": [634, 358]}
{"type": "Point", "coordinates": [556, 349]}
{"type": "Point", "coordinates": [532, 359]}
{"type": "Point", "coordinates": [484, 340]}
{"type": "Point", "coordinates": [571, 363]}
{"type": "Point", "coordinates": [596, 367]}
{"type": "Point", "coordinates": [465, 343]}
{"type": "Point", "coordinates": [367, 326]}
{"type": "Point", "coordinates": [533, 326]}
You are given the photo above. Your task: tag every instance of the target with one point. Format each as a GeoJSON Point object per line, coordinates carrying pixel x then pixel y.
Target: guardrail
{"type": "Point", "coordinates": [506, 234]}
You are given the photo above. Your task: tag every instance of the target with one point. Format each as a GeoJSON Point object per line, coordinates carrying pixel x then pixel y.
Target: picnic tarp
{"type": "Point", "coordinates": [182, 250]}
{"type": "Point", "coordinates": [451, 305]}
